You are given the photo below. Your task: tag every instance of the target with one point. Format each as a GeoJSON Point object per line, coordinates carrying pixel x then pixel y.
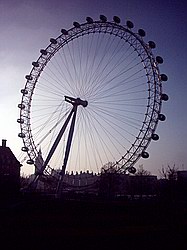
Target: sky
{"type": "Point", "coordinates": [27, 26]}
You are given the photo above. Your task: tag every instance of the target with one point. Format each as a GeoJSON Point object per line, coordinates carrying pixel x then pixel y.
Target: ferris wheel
{"type": "Point", "coordinates": [92, 97]}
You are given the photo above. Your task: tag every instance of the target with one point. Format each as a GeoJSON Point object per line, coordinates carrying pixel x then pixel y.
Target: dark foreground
{"type": "Point", "coordinates": [35, 223]}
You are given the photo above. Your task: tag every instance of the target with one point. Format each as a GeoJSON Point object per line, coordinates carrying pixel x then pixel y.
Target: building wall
{"type": "Point", "coordinates": [9, 172]}
{"type": "Point", "coordinates": [115, 184]}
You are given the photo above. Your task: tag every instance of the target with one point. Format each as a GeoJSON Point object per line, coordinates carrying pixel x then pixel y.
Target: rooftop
{"type": "Point", "coordinates": [6, 155]}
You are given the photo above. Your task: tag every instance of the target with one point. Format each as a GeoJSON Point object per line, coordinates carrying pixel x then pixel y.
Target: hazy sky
{"type": "Point", "coordinates": [27, 26]}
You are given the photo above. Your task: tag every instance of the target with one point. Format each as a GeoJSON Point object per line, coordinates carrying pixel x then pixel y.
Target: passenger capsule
{"type": "Point", "coordinates": [24, 149]}
{"type": "Point", "coordinates": [89, 20]}
{"type": "Point", "coordinates": [132, 170]}
{"type": "Point", "coordinates": [155, 137]}
{"type": "Point", "coordinates": [28, 77]}
{"type": "Point", "coordinates": [164, 77]}
{"type": "Point", "coordinates": [64, 31]}
{"type": "Point", "coordinates": [21, 106]}
{"type": "Point", "coordinates": [164, 97]}
{"type": "Point", "coordinates": [145, 155]}
{"type": "Point", "coordinates": [24, 91]}
{"type": "Point", "coordinates": [141, 32]}
{"type": "Point", "coordinates": [161, 117]}
{"type": "Point", "coordinates": [129, 24]}
{"type": "Point", "coordinates": [103, 18]}
{"type": "Point", "coordinates": [53, 41]}
{"type": "Point", "coordinates": [30, 162]}
{"type": "Point", "coordinates": [116, 19]}
{"type": "Point", "coordinates": [152, 44]}
{"type": "Point", "coordinates": [35, 64]}
{"type": "Point", "coordinates": [20, 120]}
{"type": "Point", "coordinates": [159, 59]}
{"type": "Point", "coordinates": [21, 135]}
{"type": "Point", "coordinates": [76, 24]}
{"type": "Point", "coordinates": [43, 52]}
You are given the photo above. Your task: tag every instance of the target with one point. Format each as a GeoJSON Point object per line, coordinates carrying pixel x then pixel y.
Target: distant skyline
{"type": "Point", "coordinates": [27, 26]}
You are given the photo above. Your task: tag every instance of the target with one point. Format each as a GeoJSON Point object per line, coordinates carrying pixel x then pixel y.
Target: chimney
{"type": "Point", "coordinates": [4, 143]}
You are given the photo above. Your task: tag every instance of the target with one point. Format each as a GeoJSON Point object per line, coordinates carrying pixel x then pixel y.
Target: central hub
{"type": "Point", "coordinates": [76, 101]}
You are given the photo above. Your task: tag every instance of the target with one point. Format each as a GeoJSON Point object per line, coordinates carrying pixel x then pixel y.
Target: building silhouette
{"type": "Point", "coordinates": [114, 185]}
{"type": "Point", "coordinates": [9, 172]}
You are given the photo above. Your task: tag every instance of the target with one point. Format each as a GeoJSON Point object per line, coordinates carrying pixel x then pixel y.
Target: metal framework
{"type": "Point", "coordinates": [154, 90]}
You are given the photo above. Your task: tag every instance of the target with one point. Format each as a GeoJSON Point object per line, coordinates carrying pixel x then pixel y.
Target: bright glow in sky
{"type": "Point", "coordinates": [27, 26]}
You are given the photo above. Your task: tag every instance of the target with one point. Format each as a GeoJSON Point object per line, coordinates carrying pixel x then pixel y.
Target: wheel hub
{"type": "Point", "coordinates": [76, 101]}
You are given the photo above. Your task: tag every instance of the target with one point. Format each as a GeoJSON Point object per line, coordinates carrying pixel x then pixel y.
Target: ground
{"type": "Point", "coordinates": [40, 223]}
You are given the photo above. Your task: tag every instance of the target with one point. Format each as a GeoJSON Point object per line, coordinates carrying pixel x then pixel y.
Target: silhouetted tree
{"type": "Point", "coordinates": [141, 171]}
{"type": "Point", "coordinates": [168, 172]}
{"type": "Point", "coordinates": [168, 189]}
{"type": "Point", "coordinates": [109, 181]}
{"type": "Point", "coordinates": [109, 168]}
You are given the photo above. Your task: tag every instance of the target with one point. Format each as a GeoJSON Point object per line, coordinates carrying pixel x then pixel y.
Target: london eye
{"type": "Point", "coordinates": [93, 96]}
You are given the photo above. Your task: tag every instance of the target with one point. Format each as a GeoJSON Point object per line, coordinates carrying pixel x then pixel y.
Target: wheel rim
{"type": "Point", "coordinates": [116, 72]}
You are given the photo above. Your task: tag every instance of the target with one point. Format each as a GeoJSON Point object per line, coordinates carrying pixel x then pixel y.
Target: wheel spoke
{"type": "Point", "coordinates": [111, 71]}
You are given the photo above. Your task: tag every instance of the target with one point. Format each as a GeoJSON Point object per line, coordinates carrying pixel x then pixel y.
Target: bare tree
{"type": "Point", "coordinates": [168, 172]}
{"type": "Point", "coordinates": [163, 173]}
{"type": "Point", "coordinates": [109, 168]}
{"type": "Point", "coordinates": [109, 181]}
{"type": "Point", "coordinates": [141, 171]}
